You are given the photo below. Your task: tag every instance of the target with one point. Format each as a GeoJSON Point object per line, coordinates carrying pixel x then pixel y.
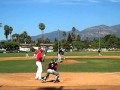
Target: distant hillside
{"type": "Point", "coordinates": [117, 28]}
{"type": "Point", "coordinates": [88, 33]}
{"type": "Point", "coordinates": [93, 32]}
{"type": "Point", "coordinates": [51, 35]}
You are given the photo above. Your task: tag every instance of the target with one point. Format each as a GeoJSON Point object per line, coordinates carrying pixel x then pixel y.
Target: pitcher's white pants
{"type": "Point", "coordinates": [39, 70]}
{"type": "Point", "coordinates": [59, 58]}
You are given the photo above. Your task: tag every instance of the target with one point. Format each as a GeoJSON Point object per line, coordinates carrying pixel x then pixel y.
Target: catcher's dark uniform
{"type": "Point", "coordinates": [51, 69]}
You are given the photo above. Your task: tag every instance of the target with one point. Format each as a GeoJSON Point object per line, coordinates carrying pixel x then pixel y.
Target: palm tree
{"type": "Point", "coordinates": [78, 38]}
{"type": "Point", "coordinates": [21, 40]}
{"type": "Point", "coordinates": [73, 33]}
{"type": "Point", "coordinates": [28, 39]}
{"type": "Point", "coordinates": [39, 40]}
{"type": "Point", "coordinates": [42, 27]}
{"type": "Point", "coordinates": [24, 36]}
{"type": "Point", "coordinates": [64, 35]}
{"type": "Point", "coordinates": [69, 39]}
{"type": "Point", "coordinates": [73, 29]}
{"type": "Point", "coordinates": [6, 31]}
{"type": "Point", "coordinates": [10, 31]}
{"type": "Point", "coordinates": [15, 37]}
{"type": "Point", "coordinates": [47, 40]}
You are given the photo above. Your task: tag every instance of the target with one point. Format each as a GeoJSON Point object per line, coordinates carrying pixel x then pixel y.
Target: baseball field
{"type": "Point", "coordinates": [79, 71]}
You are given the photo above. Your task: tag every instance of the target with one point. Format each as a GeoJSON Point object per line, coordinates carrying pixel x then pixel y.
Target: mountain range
{"type": "Point", "coordinates": [88, 33]}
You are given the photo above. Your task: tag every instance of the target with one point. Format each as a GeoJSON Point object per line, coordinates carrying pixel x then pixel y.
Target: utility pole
{"type": "Point", "coordinates": [58, 40]}
{"type": "Point", "coordinates": [99, 50]}
{"type": "Point", "coordinates": [99, 38]}
{"type": "Point", "coordinates": [0, 24]}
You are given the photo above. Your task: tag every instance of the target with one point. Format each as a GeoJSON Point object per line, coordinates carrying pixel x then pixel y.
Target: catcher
{"type": "Point", "coordinates": [51, 69]}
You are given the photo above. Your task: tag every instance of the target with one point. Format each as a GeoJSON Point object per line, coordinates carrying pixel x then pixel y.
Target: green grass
{"type": "Point", "coordinates": [91, 65]}
{"type": "Point", "coordinates": [94, 65]}
{"type": "Point", "coordinates": [66, 54]}
{"type": "Point", "coordinates": [14, 54]}
{"type": "Point", "coordinates": [17, 66]}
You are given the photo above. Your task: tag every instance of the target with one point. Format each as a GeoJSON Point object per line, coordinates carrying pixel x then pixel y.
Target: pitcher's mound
{"type": "Point", "coordinates": [72, 62]}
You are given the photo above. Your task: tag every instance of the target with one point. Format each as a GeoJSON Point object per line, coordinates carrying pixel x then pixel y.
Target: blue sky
{"type": "Point", "coordinates": [25, 15]}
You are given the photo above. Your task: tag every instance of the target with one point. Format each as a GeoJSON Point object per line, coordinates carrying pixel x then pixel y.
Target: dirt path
{"type": "Point", "coordinates": [29, 58]}
{"type": "Point", "coordinates": [84, 81]}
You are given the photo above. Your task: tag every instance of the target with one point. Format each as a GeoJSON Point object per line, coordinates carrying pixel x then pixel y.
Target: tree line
{"type": "Point", "coordinates": [70, 41]}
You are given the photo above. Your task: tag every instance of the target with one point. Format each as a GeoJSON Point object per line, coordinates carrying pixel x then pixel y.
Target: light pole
{"type": "Point", "coordinates": [99, 39]}
{"type": "Point", "coordinates": [99, 50]}
{"type": "Point", "coordinates": [58, 40]}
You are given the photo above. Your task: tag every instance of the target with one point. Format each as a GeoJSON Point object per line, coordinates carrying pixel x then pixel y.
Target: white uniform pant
{"type": "Point", "coordinates": [39, 70]}
{"type": "Point", "coordinates": [59, 58]}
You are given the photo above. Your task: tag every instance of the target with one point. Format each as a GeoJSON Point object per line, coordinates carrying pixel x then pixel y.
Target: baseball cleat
{"type": "Point", "coordinates": [56, 81]}
{"type": "Point", "coordinates": [43, 81]}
